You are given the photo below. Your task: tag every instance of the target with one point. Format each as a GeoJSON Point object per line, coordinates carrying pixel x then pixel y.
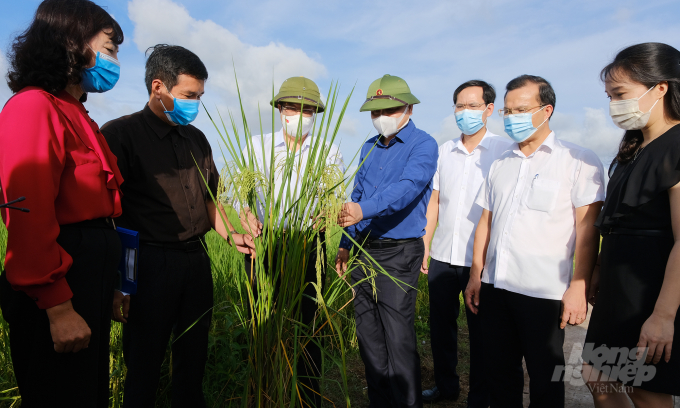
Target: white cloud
{"type": "Point", "coordinates": [5, 93]}
{"type": "Point", "coordinates": [595, 131]}
{"type": "Point", "coordinates": [258, 68]}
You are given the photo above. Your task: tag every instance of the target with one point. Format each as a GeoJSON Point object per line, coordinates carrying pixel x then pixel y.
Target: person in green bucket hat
{"type": "Point", "coordinates": [298, 103]}
{"type": "Point", "coordinates": [386, 217]}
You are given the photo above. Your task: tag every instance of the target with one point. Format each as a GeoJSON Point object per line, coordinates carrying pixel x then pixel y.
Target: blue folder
{"type": "Point", "coordinates": [127, 268]}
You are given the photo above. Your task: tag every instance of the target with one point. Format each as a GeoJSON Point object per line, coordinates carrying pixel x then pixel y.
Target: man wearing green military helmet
{"type": "Point", "coordinates": [386, 217]}
{"type": "Point", "coordinates": [298, 102]}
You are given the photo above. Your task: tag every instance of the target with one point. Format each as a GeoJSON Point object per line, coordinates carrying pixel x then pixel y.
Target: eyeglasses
{"type": "Point", "coordinates": [474, 106]}
{"type": "Point", "coordinates": [505, 111]}
{"type": "Point", "coordinates": [291, 110]}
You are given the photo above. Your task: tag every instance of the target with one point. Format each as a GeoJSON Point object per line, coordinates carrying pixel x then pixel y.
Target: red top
{"type": "Point", "coordinates": [53, 154]}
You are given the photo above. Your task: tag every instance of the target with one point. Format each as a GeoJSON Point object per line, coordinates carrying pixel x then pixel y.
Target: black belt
{"type": "Point", "coordinates": [642, 232]}
{"type": "Point", "coordinates": [385, 243]}
{"type": "Point", "coordinates": [107, 223]}
{"type": "Point", "coordinates": [193, 244]}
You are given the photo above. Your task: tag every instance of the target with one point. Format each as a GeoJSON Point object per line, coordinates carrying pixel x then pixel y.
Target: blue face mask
{"type": "Point", "coordinates": [520, 127]}
{"type": "Point", "coordinates": [469, 121]}
{"type": "Point", "coordinates": [184, 112]}
{"type": "Point", "coordinates": [103, 76]}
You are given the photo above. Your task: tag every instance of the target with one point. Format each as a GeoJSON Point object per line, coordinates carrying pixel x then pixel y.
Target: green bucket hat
{"type": "Point", "coordinates": [388, 92]}
{"type": "Point", "coordinates": [299, 90]}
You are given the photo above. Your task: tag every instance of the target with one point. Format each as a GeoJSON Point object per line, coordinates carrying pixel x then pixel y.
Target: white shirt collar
{"type": "Point", "coordinates": [485, 142]}
{"type": "Point", "coordinates": [548, 144]}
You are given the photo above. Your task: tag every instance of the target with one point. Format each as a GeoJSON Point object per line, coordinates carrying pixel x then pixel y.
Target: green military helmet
{"type": "Point", "coordinates": [388, 92]}
{"type": "Point", "coordinates": [299, 90]}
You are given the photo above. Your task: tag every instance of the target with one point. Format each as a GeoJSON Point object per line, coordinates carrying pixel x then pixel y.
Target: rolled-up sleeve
{"type": "Point", "coordinates": [418, 172]}
{"type": "Point", "coordinates": [484, 195]}
{"type": "Point", "coordinates": [588, 185]}
{"type": "Point", "coordinates": [32, 158]}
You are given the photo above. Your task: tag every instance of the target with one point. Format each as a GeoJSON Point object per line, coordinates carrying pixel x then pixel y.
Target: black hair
{"type": "Point", "coordinates": [53, 52]}
{"type": "Point", "coordinates": [546, 93]}
{"type": "Point", "coordinates": [168, 62]}
{"type": "Point", "coordinates": [647, 64]}
{"type": "Point", "coordinates": [488, 91]}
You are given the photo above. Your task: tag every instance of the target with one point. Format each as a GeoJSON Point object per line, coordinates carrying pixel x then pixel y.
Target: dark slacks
{"type": "Point", "coordinates": [50, 379]}
{"type": "Point", "coordinates": [516, 326]}
{"type": "Point", "coordinates": [446, 282]}
{"type": "Point", "coordinates": [174, 291]}
{"type": "Point", "coordinates": [310, 365]}
{"type": "Point", "coordinates": [384, 313]}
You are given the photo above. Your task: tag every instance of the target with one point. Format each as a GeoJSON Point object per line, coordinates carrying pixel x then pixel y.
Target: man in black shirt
{"type": "Point", "coordinates": [164, 162]}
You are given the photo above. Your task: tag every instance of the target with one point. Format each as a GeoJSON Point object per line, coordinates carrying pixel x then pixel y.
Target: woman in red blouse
{"type": "Point", "coordinates": [62, 257]}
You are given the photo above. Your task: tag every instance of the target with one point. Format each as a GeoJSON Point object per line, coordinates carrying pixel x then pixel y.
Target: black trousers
{"type": "Point", "coordinates": [516, 326]}
{"type": "Point", "coordinates": [50, 379]}
{"type": "Point", "coordinates": [309, 367]}
{"type": "Point", "coordinates": [174, 290]}
{"type": "Point", "coordinates": [385, 325]}
{"type": "Point", "coordinates": [446, 282]}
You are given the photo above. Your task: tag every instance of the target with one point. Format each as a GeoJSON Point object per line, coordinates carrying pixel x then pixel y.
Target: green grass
{"type": "Point", "coordinates": [226, 362]}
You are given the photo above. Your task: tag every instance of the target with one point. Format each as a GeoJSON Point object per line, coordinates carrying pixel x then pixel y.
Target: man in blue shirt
{"type": "Point", "coordinates": [387, 218]}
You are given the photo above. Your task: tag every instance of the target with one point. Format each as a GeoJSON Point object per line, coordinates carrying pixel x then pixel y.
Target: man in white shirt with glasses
{"type": "Point", "coordinates": [462, 167]}
{"type": "Point", "coordinates": [540, 200]}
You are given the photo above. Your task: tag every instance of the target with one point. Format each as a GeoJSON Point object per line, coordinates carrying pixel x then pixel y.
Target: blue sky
{"type": "Point", "coordinates": [433, 45]}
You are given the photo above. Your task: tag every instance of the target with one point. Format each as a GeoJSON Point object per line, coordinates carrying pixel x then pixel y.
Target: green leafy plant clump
{"type": "Point", "coordinates": [298, 203]}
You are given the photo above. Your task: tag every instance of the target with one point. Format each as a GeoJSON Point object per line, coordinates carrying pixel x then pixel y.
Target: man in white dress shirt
{"type": "Point", "coordinates": [540, 200]}
{"type": "Point", "coordinates": [295, 137]}
{"type": "Point", "coordinates": [461, 169]}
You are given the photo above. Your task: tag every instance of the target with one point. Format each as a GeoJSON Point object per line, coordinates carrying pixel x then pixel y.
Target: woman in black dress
{"type": "Point", "coordinates": [637, 287]}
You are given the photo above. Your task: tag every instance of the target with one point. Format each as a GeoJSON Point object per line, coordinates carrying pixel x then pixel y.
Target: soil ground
{"type": "Point", "coordinates": [577, 396]}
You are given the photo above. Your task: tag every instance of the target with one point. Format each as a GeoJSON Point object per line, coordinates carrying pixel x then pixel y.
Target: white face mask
{"type": "Point", "coordinates": [626, 114]}
{"type": "Point", "coordinates": [290, 124]}
{"type": "Point", "coordinates": [388, 125]}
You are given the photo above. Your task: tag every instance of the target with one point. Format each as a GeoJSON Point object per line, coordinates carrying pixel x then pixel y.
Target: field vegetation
{"type": "Point", "coordinates": [256, 335]}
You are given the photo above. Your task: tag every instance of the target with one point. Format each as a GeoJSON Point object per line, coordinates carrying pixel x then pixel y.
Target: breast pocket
{"type": "Point", "coordinates": [543, 194]}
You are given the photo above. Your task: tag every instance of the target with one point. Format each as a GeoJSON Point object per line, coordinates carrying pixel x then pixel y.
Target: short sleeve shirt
{"type": "Point", "coordinates": [533, 200]}
{"type": "Point", "coordinates": [459, 176]}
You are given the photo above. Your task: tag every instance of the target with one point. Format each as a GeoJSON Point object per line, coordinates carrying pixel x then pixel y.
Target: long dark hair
{"type": "Point", "coordinates": [53, 52]}
{"type": "Point", "coordinates": [648, 64]}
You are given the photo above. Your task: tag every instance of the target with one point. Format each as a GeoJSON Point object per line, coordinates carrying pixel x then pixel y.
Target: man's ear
{"type": "Point", "coordinates": [549, 111]}
{"type": "Point", "coordinates": [490, 107]}
{"type": "Point", "coordinates": [156, 85]}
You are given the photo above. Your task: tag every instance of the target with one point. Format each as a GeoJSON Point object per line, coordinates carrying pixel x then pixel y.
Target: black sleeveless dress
{"type": "Point", "coordinates": [633, 266]}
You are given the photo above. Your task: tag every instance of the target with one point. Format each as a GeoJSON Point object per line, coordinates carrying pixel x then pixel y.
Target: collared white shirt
{"type": "Point", "coordinates": [533, 201]}
{"type": "Point", "coordinates": [459, 176]}
{"type": "Point", "coordinates": [281, 151]}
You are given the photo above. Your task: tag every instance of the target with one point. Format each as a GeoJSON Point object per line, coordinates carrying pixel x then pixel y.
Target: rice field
{"type": "Point", "coordinates": [227, 344]}
{"type": "Point", "coordinates": [257, 335]}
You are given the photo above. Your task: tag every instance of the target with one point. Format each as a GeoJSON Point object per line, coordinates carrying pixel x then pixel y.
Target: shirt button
{"type": "Point", "coordinates": [375, 186]}
{"type": "Point", "coordinates": [187, 187]}
{"type": "Point", "coordinates": [175, 144]}
{"type": "Point", "coordinates": [181, 167]}
{"type": "Point", "coordinates": [192, 207]}
{"type": "Point", "coordinates": [381, 168]}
